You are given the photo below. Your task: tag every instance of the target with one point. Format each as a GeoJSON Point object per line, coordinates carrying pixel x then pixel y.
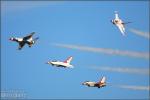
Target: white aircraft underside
{"type": "Point", "coordinates": [121, 28]}
{"type": "Point", "coordinates": [61, 64]}
{"type": "Point", "coordinates": [119, 23]}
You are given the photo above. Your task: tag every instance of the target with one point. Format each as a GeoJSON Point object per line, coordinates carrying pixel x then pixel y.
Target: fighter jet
{"type": "Point", "coordinates": [119, 23]}
{"type": "Point", "coordinates": [64, 64]}
{"type": "Point", "coordinates": [99, 84]}
{"type": "Point", "coordinates": [25, 40]}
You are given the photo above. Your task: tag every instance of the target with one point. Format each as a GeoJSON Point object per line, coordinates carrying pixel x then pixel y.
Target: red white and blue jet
{"type": "Point", "coordinates": [25, 40]}
{"type": "Point", "coordinates": [101, 83]}
{"type": "Point", "coordinates": [65, 64]}
{"type": "Point", "coordinates": [119, 23]}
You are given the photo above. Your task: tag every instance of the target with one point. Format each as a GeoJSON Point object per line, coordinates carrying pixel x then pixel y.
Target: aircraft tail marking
{"type": "Point", "coordinates": [68, 60]}
{"type": "Point", "coordinates": [102, 80]}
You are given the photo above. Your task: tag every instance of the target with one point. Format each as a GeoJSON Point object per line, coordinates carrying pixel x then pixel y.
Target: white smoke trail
{"type": "Point", "coordinates": [106, 51]}
{"type": "Point", "coordinates": [140, 33]}
{"type": "Point", "coordinates": [147, 88]}
{"type": "Point", "coordinates": [140, 71]}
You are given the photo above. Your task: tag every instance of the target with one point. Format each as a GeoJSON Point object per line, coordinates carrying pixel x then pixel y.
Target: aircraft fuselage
{"type": "Point", "coordinates": [94, 84]}
{"type": "Point", "coordinates": [60, 64]}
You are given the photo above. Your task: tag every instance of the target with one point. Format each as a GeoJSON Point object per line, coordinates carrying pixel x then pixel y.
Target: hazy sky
{"type": "Point", "coordinates": [94, 43]}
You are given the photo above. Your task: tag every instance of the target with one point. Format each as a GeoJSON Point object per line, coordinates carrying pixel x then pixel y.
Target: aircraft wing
{"type": "Point", "coordinates": [31, 43]}
{"type": "Point", "coordinates": [126, 23]}
{"type": "Point", "coordinates": [29, 36]}
{"type": "Point", "coordinates": [21, 44]}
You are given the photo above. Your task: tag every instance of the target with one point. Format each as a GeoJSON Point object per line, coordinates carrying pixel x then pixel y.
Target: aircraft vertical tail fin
{"type": "Point", "coordinates": [116, 15]}
{"type": "Point", "coordinates": [68, 60]}
{"type": "Point", "coordinates": [103, 80]}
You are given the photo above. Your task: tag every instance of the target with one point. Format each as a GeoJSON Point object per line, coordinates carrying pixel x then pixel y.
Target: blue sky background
{"type": "Point", "coordinates": [84, 23]}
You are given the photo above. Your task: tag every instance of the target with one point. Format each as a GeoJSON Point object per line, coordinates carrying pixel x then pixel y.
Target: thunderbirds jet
{"type": "Point", "coordinates": [65, 64]}
{"type": "Point", "coordinates": [119, 23]}
{"type": "Point", "coordinates": [25, 40]}
{"type": "Point", "coordinates": [99, 84]}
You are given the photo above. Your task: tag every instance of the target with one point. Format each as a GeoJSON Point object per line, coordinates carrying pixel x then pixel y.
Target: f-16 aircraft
{"type": "Point", "coordinates": [65, 64]}
{"type": "Point", "coordinates": [99, 84]}
{"type": "Point", "coordinates": [25, 40]}
{"type": "Point", "coordinates": [119, 23]}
